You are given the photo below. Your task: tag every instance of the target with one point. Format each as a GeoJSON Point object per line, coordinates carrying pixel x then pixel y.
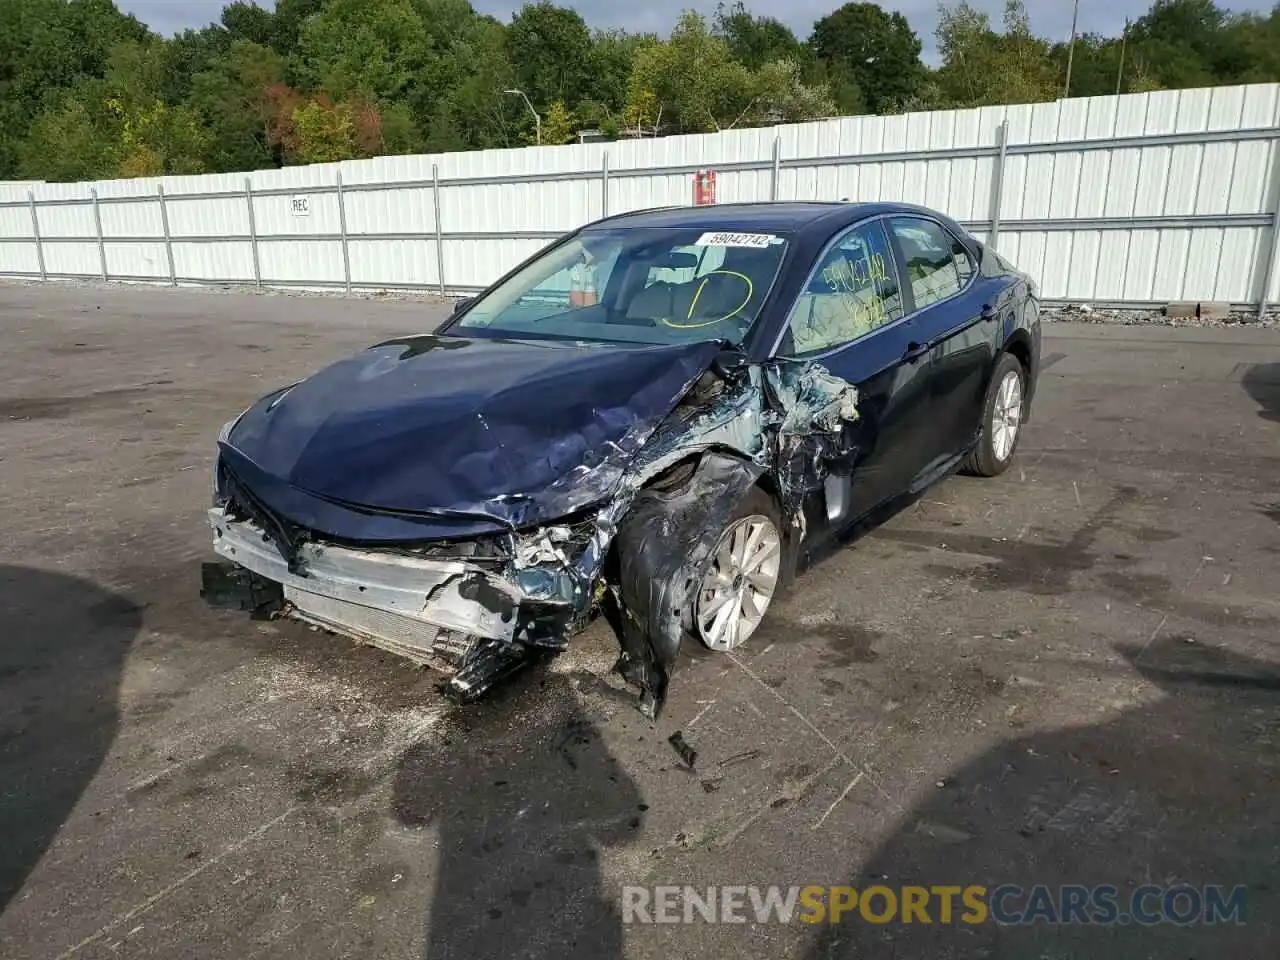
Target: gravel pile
{"type": "Point", "coordinates": [1088, 314]}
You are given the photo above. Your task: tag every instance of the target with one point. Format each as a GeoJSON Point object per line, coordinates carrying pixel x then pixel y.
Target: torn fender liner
{"type": "Point", "coordinates": [664, 545]}
{"type": "Point", "coordinates": [448, 437]}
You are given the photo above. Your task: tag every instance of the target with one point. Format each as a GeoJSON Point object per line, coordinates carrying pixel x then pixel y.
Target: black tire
{"type": "Point", "coordinates": [984, 460]}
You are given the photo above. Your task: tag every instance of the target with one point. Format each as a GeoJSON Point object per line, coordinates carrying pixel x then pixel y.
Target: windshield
{"type": "Point", "coordinates": [639, 285]}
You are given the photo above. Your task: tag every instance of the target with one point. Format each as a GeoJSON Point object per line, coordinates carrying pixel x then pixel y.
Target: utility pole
{"type": "Point", "coordinates": [1124, 37]}
{"type": "Point", "coordinates": [537, 120]}
{"type": "Point", "coordinates": [1071, 50]}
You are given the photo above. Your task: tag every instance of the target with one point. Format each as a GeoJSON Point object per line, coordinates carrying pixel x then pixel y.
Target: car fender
{"type": "Point", "coordinates": [662, 548]}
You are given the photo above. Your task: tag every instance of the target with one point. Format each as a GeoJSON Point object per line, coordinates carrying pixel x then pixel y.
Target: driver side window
{"type": "Point", "coordinates": [853, 291]}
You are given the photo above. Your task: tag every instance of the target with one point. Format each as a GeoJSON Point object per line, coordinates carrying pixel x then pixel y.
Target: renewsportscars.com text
{"type": "Point", "coordinates": [1006, 904]}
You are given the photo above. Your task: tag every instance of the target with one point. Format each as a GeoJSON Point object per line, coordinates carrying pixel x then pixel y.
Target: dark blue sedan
{"type": "Point", "coordinates": [659, 418]}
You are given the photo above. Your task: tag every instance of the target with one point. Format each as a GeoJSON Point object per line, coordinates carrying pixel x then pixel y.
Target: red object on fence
{"type": "Point", "coordinates": [704, 188]}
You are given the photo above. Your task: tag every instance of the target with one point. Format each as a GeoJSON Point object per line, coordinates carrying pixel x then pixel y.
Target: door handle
{"type": "Point", "coordinates": [915, 351]}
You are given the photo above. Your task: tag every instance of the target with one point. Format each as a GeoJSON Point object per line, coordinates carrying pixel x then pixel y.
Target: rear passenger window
{"type": "Point", "coordinates": [853, 291]}
{"type": "Point", "coordinates": [938, 265]}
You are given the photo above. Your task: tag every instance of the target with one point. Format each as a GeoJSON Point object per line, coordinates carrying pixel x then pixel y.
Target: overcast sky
{"type": "Point", "coordinates": [1049, 18]}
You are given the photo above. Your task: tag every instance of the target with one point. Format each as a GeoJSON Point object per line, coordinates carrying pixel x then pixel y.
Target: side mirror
{"type": "Point", "coordinates": [460, 305]}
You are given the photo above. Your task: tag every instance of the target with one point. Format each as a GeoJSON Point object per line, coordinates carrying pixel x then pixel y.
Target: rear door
{"type": "Point", "coordinates": [955, 323]}
{"type": "Point", "coordinates": [851, 319]}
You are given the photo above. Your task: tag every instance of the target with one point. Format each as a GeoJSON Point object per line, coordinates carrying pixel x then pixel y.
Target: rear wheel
{"type": "Point", "coordinates": [743, 577]}
{"type": "Point", "coordinates": [1002, 416]}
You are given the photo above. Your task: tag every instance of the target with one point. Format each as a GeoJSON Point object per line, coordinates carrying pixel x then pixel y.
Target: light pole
{"type": "Point", "coordinates": [537, 120]}
{"type": "Point", "coordinates": [1124, 37]}
{"type": "Point", "coordinates": [1071, 51]}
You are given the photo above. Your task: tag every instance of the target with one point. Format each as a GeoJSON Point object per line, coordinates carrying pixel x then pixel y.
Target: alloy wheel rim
{"type": "Point", "coordinates": [740, 584]}
{"type": "Point", "coordinates": [1006, 416]}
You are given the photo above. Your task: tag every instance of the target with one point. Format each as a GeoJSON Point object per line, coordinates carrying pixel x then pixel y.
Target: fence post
{"type": "Point", "coordinates": [604, 185]}
{"type": "Point", "coordinates": [435, 193]}
{"type": "Point", "coordinates": [97, 226]}
{"type": "Point", "coordinates": [1273, 248]}
{"type": "Point", "coordinates": [168, 238]}
{"type": "Point", "coordinates": [342, 227]}
{"type": "Point", "coordinates": [35, 229]}
{"type": "Point", "coordinates": [777, 166]}
{"type": "Point", "coordinates": [997, 184]}
{"type": "Point", "coordinates": [253, 232]}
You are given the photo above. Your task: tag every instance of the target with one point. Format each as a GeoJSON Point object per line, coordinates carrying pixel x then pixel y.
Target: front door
{"type": "Point", "coordinates": [850, 319]}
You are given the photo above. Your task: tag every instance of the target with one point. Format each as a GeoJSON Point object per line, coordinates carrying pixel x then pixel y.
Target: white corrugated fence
{"type": "Point", "coordinates": [1133, 200]}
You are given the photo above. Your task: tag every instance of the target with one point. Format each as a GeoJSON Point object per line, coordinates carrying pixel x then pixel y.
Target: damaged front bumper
{"type": "Point", "coordinates": [451, 614]}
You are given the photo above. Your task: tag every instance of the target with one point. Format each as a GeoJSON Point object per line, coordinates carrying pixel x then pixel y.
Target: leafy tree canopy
{"type": "Point", "coordinates": [88, 92]}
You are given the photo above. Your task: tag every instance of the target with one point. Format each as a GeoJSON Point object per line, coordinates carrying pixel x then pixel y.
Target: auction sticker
{"type": "Point", "coordinates": [737, 240]}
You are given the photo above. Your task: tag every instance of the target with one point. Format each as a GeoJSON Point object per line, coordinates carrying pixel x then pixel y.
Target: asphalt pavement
{"type": "Point", "coordinates": [1066, 675]}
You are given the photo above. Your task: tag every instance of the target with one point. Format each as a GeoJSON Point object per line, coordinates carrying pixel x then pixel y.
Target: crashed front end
{"type": "Point", "coordinates": [466, 608]}
{"type": "Point", "coordinates": [478, 607]}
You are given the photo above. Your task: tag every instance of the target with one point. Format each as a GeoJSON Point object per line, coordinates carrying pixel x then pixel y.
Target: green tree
{"type": "Point", "coordinates": [152, 136]}
{"type": "Point", "coordinates": [232, 97]}
{"type": "Point", "coordinates": [837, 78]}
{"type": "Point", "coordinates": [117, 125]}
{"type": "Point", "coordinates": [289, 18]}
{"type": "Point", "coordinates": [459, 101]}
{"type": "Point", "coordinates": [247, 21]}
{"type": "Point", "coordinates": [1140, 79]}
{"type": "Point", "coordinates": [690, 80]}
{"type": "Point", "coordinates": [1251, 49]}
{"type": "Point", "coordinates": [374, 47]}
{"type": "Point", "coordinates": [86, 91]}
{"type": "Point", "coordinates": [66, 143]}
{"type": "Point", "coordinates": [755, 41]}
{"type": "Point", "coordinates": [1191, 22]}
{"type": "Point", "coordinates": [782, 96]}
{"type": "Point", "coordinates": [184, 56]}
{"type": "Point", "coordinates": [326, 132]}
{"type": "Point", "coordinates": [613, 54]}
{"type": "Point", "coordinates": [550, 50]}
{"type": "Point", "coordinates": [46, 47]}
{"type": "Point", "coordinates": [1095, 64]}
{"type": "Point", "coordinates": [693, 83]}
{"type": "Point", "coordinates": [879, 51]}
{"type": "Point", "coordinates": [981, 68]}
{"type": "Point", "coordinates": [559, 126]}
{"type": "Point", "coordinates": [1185, 43]}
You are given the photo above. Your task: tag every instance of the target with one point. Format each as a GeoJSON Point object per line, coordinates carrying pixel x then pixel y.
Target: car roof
{"type": "Point", "coordinates": [788, 216]}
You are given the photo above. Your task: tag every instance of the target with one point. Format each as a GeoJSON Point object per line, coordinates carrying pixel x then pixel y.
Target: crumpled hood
{"type": "Point", "coordinates": [471, 434]}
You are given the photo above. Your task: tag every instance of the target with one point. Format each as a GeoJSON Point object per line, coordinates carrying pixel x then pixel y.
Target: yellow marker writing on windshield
{"type": "Point", "coordinates": [728, 316]}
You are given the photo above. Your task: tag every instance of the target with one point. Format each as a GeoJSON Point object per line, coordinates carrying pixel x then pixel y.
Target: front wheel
{"type": "Point", "coordinates": [1002, 416]}
{"type": "Point", "coordinates": [743, 576]}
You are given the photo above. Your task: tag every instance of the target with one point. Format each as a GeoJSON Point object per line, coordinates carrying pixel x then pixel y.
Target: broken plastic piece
{"type": "Point", "coordinates": [686, 752]}
{"type": "Point", "coordinates": [485, 664]}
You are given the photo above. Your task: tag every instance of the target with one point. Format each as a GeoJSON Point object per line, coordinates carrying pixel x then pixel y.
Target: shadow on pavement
{"type": "Point", "coordinates": [1183, 790]}
{"type": "Point", "coordinates": [63, 642]}
{"type": "Point", "coordinates": [522, 811]}
{"type": "Point", "coordinates": [1262, 382]}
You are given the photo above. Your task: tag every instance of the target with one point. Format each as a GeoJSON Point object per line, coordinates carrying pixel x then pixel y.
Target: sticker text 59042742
{"type": "Point", "coordinates": [737, 240]}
